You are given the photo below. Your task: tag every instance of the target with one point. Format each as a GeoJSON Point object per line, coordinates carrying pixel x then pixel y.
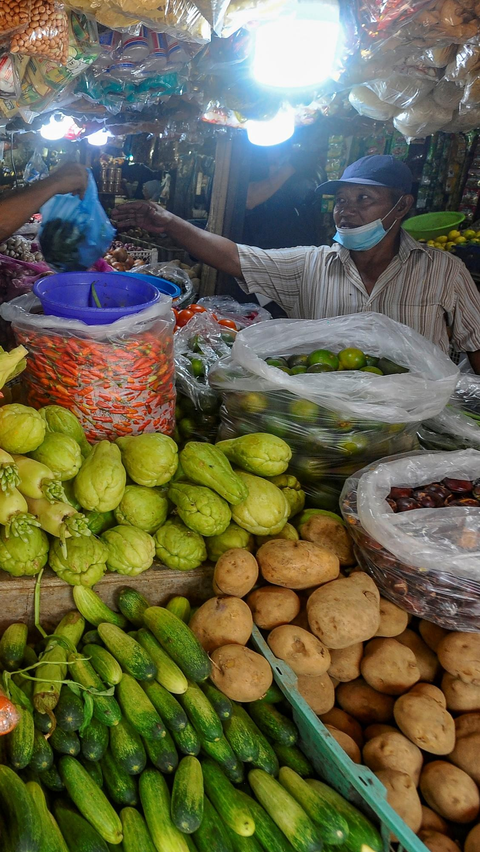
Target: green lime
{"type": "Point", "coordinates": [371, 361]}
{"type": "Point", "coordinates": [356, 443]}
{"type": "Point", "coordinates": [304, 409]}
{"type": "Point", "coordinates": [325, 357]}
{"type": "Point", "coordinates": [228, 337]}
{"type": "Point", "coordinates": [253, 402]}
{"type": "Point", "coordinates": [308, 469]}
{"type": "Point", "coordinates": [352, 359]}
{"type": "Point", "coordinates": [178, 413]}
{"type": "Point", "coordinates": [195, 343]}
{"type": "Point", "coordinates": [187, 427]}
{"type": "Point", "coordinates": [285, 370]}
{"type": "Point", "coordinates": [320, 368]}
{"type": "Point", "coordinates": [298, 370]}
{"type": "Point", "coordinates": [275, 426]}
{"type": "Point", "coordinates": [374, 370]}
{"type": "Point", "coordinates": [198, 367]}
{"type": "Point", "coordinates": [276, 362]}
{"type": "Point", "coordinates": [298, 361]}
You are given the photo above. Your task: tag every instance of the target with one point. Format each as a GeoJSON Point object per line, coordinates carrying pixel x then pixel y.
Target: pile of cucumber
{"type": "Point", "coordinates": [124, 743]}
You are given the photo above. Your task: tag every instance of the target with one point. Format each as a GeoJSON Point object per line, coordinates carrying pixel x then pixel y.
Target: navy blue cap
{"type": "Point", "coordinates": [377, 170]}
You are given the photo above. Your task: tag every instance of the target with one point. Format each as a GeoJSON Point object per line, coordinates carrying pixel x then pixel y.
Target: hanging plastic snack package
{"type": "Point", "coordinates": [447, 95]}
{"type": "Point", "coordinates": [423, 119]}
{"type": "Point", "coordinates": [35, 93]}
{"type": "Point", "coordinates": [177, 18]}
{"type": "Point", "coordinates": [378, 16]}
{"type": "Point", "coordinates": [463, 123]}
{"type": "Point", "coordinates": [75, 231]}
{"type": "Point", "coordinates": [14, 15]}
{"type": "Point", "coordinates": [240, 13]}
{"type": "Point", "coordinates": [9, 80]}
{"type": "Point", "coordinates": [471, 94]}
{"type": "Point", "coordinates": [439, 57]}
{"type": "Point", "coordinates": [83, 50]}
{"type": "Point", "coordinates": [450, 430]}
{"type": "Point", "coordinates": [214, 12]}
{"type": "Point", "coordinates": [426, 560]}
{"type": "Point", "coordinates": [118, 379]}
{"type": "Point", "coordinates": [367, 103]}
{"type": "Point", "coordinates": [467, 61]}
{"type": "Point", "coordinates": [46, 35]}
{"type": "Point", "coordinates": [36, 168]}
{"type": "Point", "coordinates": [401, 91]}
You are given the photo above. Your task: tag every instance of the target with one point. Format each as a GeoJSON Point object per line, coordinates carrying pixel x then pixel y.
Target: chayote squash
{"type": "Point", "coordinates": [293, 491]}
{"type": "Point", "coordinates": [200, 508]}
{"type": "Point", "coordinates": [150, 459]}
{"type": "Point", "coordinates": [232, 537]}
{"type": "Point", "coordinates": [81, 561]}
{"type": "Point", "coordinates": [100, 482]}
{"type": "Point", "coordinates": [266, 509]}
{"type": "Point", "coordinates": [204, 464]}
{"type": "Point", "coordinates": [178, 547]}
{"type": "Point", "coordinates": [130, 550]}
{"type": "Point", "coordinates": [259, 453]}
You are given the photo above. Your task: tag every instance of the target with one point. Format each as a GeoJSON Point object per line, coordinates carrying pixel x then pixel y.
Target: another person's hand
{"type": "Point", "coordinates": [141, 214]}
{"type": "Point", "coordinates": [71, 177]}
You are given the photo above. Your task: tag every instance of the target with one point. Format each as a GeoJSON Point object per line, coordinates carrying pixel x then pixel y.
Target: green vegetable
{"type": "Point", "coordinates": [241, 737]}
{"type": "Point", "coordinates": [179, 642]}
{"type": "Point", "coordinates": [142, 507]}
{"type": "Point", "coordinates": [155, 800]}
{"type": "Point", "coordinates": [9, 474]}
{"type": "Point", "coordinates": [266, 509]}
{"type": "Point", "coordinates": [119, 785]}
{"type": "Point", "coordinates": [273, 724]}
{"type": "Point", "coordinates": [12, 363]}
{"type": "Point", "coordinates": [94, 740]}
{"type": "Point", "coordinates": [52, 839]}
{"type": "Point", "coordinates": [259, 453]}
{"type": "Point", "coordinates": [136, 836]}
{"type": "Point", "coordinates": [42, 755]}
{"type": "Point", "coordinates": [200, 508]}
{"type": "Point", "coordinates": [362, 834]}
{"type": "Point", "coordinates": [187, 795]}
{"type": "Point", "coordinates": [58, 419]}
{"type": "Point", "coordinates": [331, 825]}
{"type": "Point", "coordinates": [69, 711]}
{"type": "Point", "coordinates": [12, 646]}
{"type": "Point", "coordinates": [90, 800]}
{"type": "Point", "coordinates": [72, 825]}
{"type": "Point", "coordinates": [266, 830]}
{"type": "Point", "coordinates": [37, 480]}
{"type": "Point", "coordinates": [132, 605]}
{"type": "Point", "coordinates": [127, 748]}
{"type": "Point", "coordinates": [167, 706]}
{"type": "Point", "coordinates": [130, 654]}
{"type": "Point", "coordinates": [84, 562]}
{"type": "Point", "coordinates": [59, 519]}
{"type": "Point", "coordinates": [222, 753]}
{"type": "Point", "coordinates": [291, 488]}
{"type": "Point", "coordinates": [285, 811]}
{"type": "Point", "coordinates": [233, 536]}
{"type": "Point", "coordinates": [180, 607]}
{"type": "Point", "coordinates": [169, 675]}
{"type": "Point", "coordinates": [150, 459]}
{"type": "Point", "coordinates": [292, 757]}
{"type": "Point", "coordinates": [22, 429]}
{"type": "Point", "coordinates": [65, 742]}
{"type": "Point", "coordinates": [179, 547]}
{"type": "Point", "coordinates": [288, 533]}
{"type": "Point", "coordinates": [95, 610]}
{"type": "Point", "coordinates": [204, 464]}
{"type": "Point", "coordinates": [20, 741]}
{"type": "Point", "coordinates": [139, 710]}
{"type": "Point", "coordinates": [100, 483]}
{"type": "Point", "coordinates": [130, 550]}
{"type": "Point", "coordinates": [60, 453]}
{"type": "Point", "coordinates": [98, 522]}
{"type": "Point", "coordinates": [105, 707]}
{"type": "Point", "coordinates": [162, 753]}
{"type": "Point", "coordinates": [221, 704]}
{"type": "Point", "coordinates": [212, 834]}
{"type": "Point", "coordinates": [15, 515]}
{"type": "Point", "coordinates": [105, 665]}
{"type": "Point", "coordinates": [201, 713]}
{"type": "Point", "coordinates": [226, 800]}
{"type": "Point", "coordinates": [22, 827]}
{"type": "Point", "coordinates": [26, 556]}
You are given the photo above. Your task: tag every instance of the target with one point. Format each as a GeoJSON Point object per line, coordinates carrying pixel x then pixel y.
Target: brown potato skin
{"type": "Point", "coordinates": [425, 723]}
{"type": "Point", "coordinates": [430, 691]}
{"type": "Point", "coordinates": [450, 792]}
{"type": "Point", "coordinates": [241, 674]}
{"type": "Point", "coordinates": [433, 822]}
{"type": "Point", "coordinates": [389, 667]}
{"type": "Point", "coordinates": [296, 564]}
{"type": "Point", "coordinates": [363, 703]}
{"type": "Point", "coordinates": [345, 612]}
{"type": "Point", "coordinates": [461, 697]}
{"type": "Point", "coordinates": [329, 533]}
{"type": "Point", "coordinates": [459, 655]}
{"type": "Point", "coordinates": [466, 755]}
{"type": "Point", "coordinates": [272, 606]}
{"type": "Point", "coordinates": [376, 730]}
{"type": "Point", "coordinates": [437, 841]}
{"type": "Point", "coordinates": [393, 751]}
{"type": "Point", "coordinates": [236, 573]}
{"type": "Point", "coordinates": [337, 718]}
{"type": "Point", "coordinates": [402, 796]}
{"type": "Point", "coordinates": [222, 620]}
{"type": "Point", "coordinates": [393, 620]}
{"type": "Point", "coordinates": [472, 841]}
{"type": "Point", "coordinates": [318, 692]}
{"type": "Point", "coordinates": [303, 652]}
{"type": "Point", "coordinates": [427, 661]}
{"type": "Point", "coordinates": [467, 723]}
{"type": "Point", "coordinates": [346, 742]}
{"type": "Point", "coordinates": [345, 662]}
{"type": "Point", "coordinates": [431, 634]}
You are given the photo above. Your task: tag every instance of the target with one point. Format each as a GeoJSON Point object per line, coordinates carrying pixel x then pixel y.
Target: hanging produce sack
{"type": "Point", "coordinates": [426, 560]}
{"type": "Point", "coordinates": [450, 430]}
{"type": "Point", "coordinates": [117, 378]}
{"type": "Point", "coordinates": [335, 422]}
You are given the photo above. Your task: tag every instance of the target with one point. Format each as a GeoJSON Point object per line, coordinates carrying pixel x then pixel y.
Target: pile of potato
{"type": "Point", "coordinates": [402, 698]}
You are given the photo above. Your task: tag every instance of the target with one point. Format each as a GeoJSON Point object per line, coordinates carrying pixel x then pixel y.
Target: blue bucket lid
{"type": "Point", "coordinates": [167, 287]}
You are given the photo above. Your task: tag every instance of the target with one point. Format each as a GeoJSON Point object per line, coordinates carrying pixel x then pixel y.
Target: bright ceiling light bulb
{"type": "Point", "coordinates": [272, 132]}
{"type": "Point", "coordinates": [56, 127]}
{"type": "Point", "coordinates": [100, 137]}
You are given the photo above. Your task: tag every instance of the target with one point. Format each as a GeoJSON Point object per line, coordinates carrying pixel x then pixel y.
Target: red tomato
{"type": "Point", "coordinates": [184, 317]}
{"type": "Point", "coordinates": [228, 323]}
{"type": "Point", "coordinates": [197, 309]}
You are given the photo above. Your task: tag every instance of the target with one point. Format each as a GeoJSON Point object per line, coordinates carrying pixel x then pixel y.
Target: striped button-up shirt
{"type": "Point", "coordinates": [425, 288]}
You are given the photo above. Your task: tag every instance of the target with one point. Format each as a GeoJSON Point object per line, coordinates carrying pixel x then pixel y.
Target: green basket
{"type": "Point", "coordinates": [429, 226]}
{"type": "Point", "coordinates": [356, 783]}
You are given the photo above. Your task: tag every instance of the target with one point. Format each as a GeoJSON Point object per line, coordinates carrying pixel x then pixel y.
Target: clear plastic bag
{"type": "Point", "coordinates": [449, 430]}
{"type": "Point", "coordinates": [467, 60]}
{"type": "Point", "coordinates": [46, 35]}
{"type": "Point", "coordinates": [423, 119]}
{"type": "Point", "coordinates": [75, 231]}
{"type": "Point", "coordinates": [117, 378]}
{"type": "Point", "coordinates": [9, 80]}
{"type": "Point", "coordinates": [367, 103]}
{"type": "Point", "coordinates": [447, 95]}
{"type": "Point", "coordinates": [18, 276]}
{"type": "Point", "coordinates": [242, 313]}
{"type": "Point", "coordinates": [36, 168]}
{"type": "Point", "coordinates": [14, 15]}
{"type": "Point", "coordinates": [467, 393]}
{"type": "Point", "coordinates": [402, 91]}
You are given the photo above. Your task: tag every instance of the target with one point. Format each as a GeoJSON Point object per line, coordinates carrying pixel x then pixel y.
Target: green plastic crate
{"type": "Point", "coordinates": [357, 783]}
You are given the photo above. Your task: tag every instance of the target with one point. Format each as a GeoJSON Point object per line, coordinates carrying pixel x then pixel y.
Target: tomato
{"type": "Point", "coordinates": [228, 323]}
{"type": "Point", "coordinates": [184, 317]}
{"type": "Point", "coordinates": [197, 309]}
{"type": "Point", "coordinates": [175, 312]}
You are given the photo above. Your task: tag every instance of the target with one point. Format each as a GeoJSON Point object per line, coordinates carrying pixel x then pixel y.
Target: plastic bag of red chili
{"type": "Point", "coordinates": [416, 522]}
{"type": "Point", "coordinates": [118, 378]}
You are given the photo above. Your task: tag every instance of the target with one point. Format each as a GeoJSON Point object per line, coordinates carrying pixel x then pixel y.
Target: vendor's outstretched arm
{"type": "Point", "coordinates": [211, 249]}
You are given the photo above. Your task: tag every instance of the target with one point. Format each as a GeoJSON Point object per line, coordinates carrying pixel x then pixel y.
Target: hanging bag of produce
{"type": "Point", "coordinates": [75, 231]}
{"type": "Point", "coordinates": [450, 430]}
{"type": "Point", "coordinates": [341, 392]}
{"type": "Point", "coordinates": [416, 522]}
{"type": "Point", "coordinates": [117, 378]}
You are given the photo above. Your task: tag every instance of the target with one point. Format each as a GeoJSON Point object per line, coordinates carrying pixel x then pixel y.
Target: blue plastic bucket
{"type": "Point", "coordinates": [70, 295]}
{"type": "Point", "coordinates": [167, 287]}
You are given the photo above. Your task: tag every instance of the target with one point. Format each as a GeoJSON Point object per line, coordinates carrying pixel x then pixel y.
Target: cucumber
{"type": "Point", "coordinates": [90, 800]}
{"type": "Point", "coordinates": [180, 607]}
{"type": "Point", "coordinates": [163, 754]}
{"type": "Point", "coordinates": [136, 836]}
{"type": "Point", "coordinates": [119, 785]}
{"type": "Point", "coordinates": [169, 675]}
{"type": "Point", "coordinates": [294, 758]}
{"type": "Point", "coordinates": [105, 707]}
{"type": "Point", "coordinates": [362, 834]}
{"type": "Point", "coordinates": [187, 795]}
{"type": "Point", "coordinates": [52, 839]}
{"type": "Point", "coordinates": [46, 690]}
{"type": "Point", "coordinates": [29, 657]}
{"type": "Point", "coordinates": [51, 780]}
{"type": "Point", "coordinates": [155, 800]}
{"type": "Point", "coordinates": [132, 605]}
{"type": "Point", "coordinates": [273, 724]}
{"type": "Point", "coordinates": [127, 748]}
{"type": "Point", "coordinates": [187, 740]}
{"type": "Point", "coordinates": [44, 722]}
{"type": "Point", "coordinates": [105, 665]}
{"type": "Point", "coordinates": [226, 800]}
{"type": "Point", "coordinates": [167, 706]}
{"type": "Point", "coordinates": [332, 827]}
{"type": "Point", "coordinates": [22, 828]}
{"type": "Point", "coordinates": [80, 835]}
{"type": "Point", "coordinates": [94, 609]}
{"type": "Point", "coordinates": [241, 737]}
{"type": "Point", "coordinates": [94, 770]}
{"type": "Point", "coordinates": [201, 713]}
{"type": "Point", "coordinates": [12, 646]}
{"type": "Point", "coordinates": [212, 835]}
{"type": "Point", "coordinates": [221, 752]}
{"type": "Point", "coordinates": [71, 627]}
{"type": "Point", "coordinates": [266, 831]}
{"type": "Point", "coordinates": [266, 758]}
{"type": "Point", "coordinates": [138, 709]}
{"type": "Point", "coordinates": [129, 653]}
{"type": "Point", "coordinates": [221, 704]}
{"type": "Point", "coordinates": [65, 742]}
{"type": "Point", "coordinates": [243, 844]}
{"type": "Point", "coordinates": [20, 741]}
{"type": "Point", "coordinates": [273, 695]}
{"type": "Point", "coordinates": [285, 812]}
{"type": "Point", "coordinates": [92, 637]}
{"type": "Point", "coordinates": [69, 711]}
{"type": "Point", "coordinates": [94, 740]}
{"type": "Point", "coordinates": [42, 755]}
{"type": "Point", "coordinates": [179, 642]}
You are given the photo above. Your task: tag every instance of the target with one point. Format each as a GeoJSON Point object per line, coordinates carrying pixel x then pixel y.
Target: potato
{"type": "Point", "coordinates": [345, 662]}
{"type": "Point", "coordinates": [472, 841]}
{"type": "Point", "coordinates": [450, 791]}
{"type": "Point", "coordinates": [389, 667]}
{"type": "Point", "coordinates": [393, 620]}
{"type": "Point", "coordinates": [301, 620]}
{"type": "Point", "coordinates": [329, 533]}
{"type": "Point", "coordinates": [393, 751]}
{"type": "Point", "coordinates": [430, 691]}
{"type": "Point", "coordinates": [272, 606]}
{"type": "Point", "coordinates": [425, 723]}
{"type": "Point", "coordinates": [363, 703]}
{"type": "Point", "coordinates": [318, 692]}
{"type": "Point", "coordinates": [431, 634]}
{"type": "Point", "coordinates": [345, 612]}
{"type": "Point", "coordinates": [433, 822]}
{"type": "Point", "coordinates": [459, 654]}
{"type": "Point", "coordinates": [347, 743]}
{"type": "Point", "coordinates": [236, 573]}
{"type": "Point", "coordinates": [296, 564]}
{"type": "Point", "coordinates": [402, 796]}
{"type": "Point", "coordinates": [466, 755]}
{"type": "Point", "coordinates": [427, 661]}
{"type": "Point", "coordinates": [241, 674]}
{"type": "Point", "coordinates": [461, 697]}
{"type": "Point", "coordinates": [376, 730]}
{"type": "Point", "coordinates": [303, 652]}
{"type": "Point", "coordinates": [468, 723]}
{"type": "Point", "coordinates": [223, 620]}
{"type": "Point", "coordinates": [337, 718]}
{"type": "Point", "coordinates": [438, 842]}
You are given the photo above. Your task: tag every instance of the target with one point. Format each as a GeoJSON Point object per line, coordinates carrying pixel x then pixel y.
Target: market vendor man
{"type": "Point", "coordinates": [17, 207]}
{"type": "Point", "coordinates": [374, 264]}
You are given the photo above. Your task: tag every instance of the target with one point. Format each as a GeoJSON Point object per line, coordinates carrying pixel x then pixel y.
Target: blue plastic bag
{"type": "Point", "coordinates": [75, 231]}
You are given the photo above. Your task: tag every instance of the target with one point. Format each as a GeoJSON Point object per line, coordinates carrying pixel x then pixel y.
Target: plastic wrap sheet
{"type": "Point", "coordinates": [449, 430]}
{"type": "Point", "coordinates": [117, 378]}
{"type": "Point", "coordinates": [426, 560]}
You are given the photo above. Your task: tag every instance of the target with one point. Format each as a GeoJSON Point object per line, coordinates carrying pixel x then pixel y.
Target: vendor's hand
{"type": "Point", "coordinates": [141, 214]}
{"type": "Point", "coordinates": [70, 178]}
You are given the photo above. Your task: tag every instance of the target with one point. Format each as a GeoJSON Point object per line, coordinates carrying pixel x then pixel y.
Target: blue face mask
{"type": "Point", "coordinates": [366, 236]}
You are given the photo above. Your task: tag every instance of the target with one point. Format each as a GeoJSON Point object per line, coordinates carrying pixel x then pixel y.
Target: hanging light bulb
{"type": "Point", "coordinates": [274, 131]}
{"type": "Point", "coordinates": [56, 127]}
{"type": "Point", "coordinates": [100, 137]}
